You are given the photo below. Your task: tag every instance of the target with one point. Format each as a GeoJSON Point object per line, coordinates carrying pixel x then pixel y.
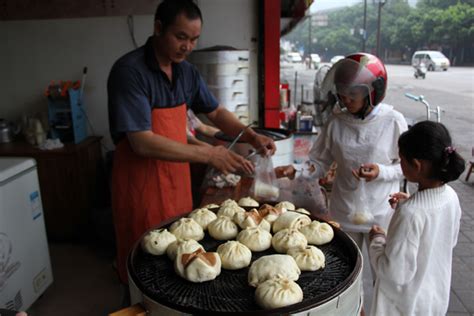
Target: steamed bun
{"type": "Point", "coordinates": [308, 258]}
{"type": "Point", "coordinates": [270, 213]}
{"type": "Point", "coordinates": [302, 211]}
{"type": "Point", "coordinates": [210, 206]}
{"type": "Point", "coordinates": [234, 255]}
{"type": "Point", "coordinates": [318, 233]}
{"type": "Point", "coordinates": [278, 292]}
{"type": "Point", "coordinates": [198, 266]}
{"type": "Point", "coordinates": [187, 228]}
{"type": "Point", "coordinates": [288, 238]}
{"type": "Point", "coordinates": [291, 220]}
{"type": "Point", "coordinates": [255, 238]}
{"type": "Point", "coordinates": [269, 267]}
{"type": "Point", "coordinates": [182, 246]}
{"type": "Point", "coordinates": [285, 206]}
{"type": "Point", "coordinates": [222, 228]}
{"type": "Point", "coordinates": [251, 219]}
{"type": "Point", "coordinates": [248, 202]}
{"type": "Point", "coordinates": [155, 242]}
{"type": "Point", "coordinates": [203, 217]}
{"type": "Point", "coordinates": [229, 208]}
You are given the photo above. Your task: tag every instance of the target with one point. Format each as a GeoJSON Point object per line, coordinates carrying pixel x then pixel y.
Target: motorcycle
{"type": "Point", "coordinates": [420, 70]}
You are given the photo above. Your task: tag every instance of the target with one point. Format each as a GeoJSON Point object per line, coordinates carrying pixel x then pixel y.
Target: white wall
{"type": "Point", "coordinates": [34, 52]}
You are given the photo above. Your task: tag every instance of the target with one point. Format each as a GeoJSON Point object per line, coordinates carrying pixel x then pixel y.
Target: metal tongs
{"type": "Point", "coordinates": [236, 139]}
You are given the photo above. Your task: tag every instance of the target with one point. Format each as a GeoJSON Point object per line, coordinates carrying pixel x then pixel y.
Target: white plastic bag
{"type": "Point", "coordinates": [265, 186]}
{"type": "Point", "coordinates": [304, 193]}
{"type": "Point", "coordinates": [360, 214]}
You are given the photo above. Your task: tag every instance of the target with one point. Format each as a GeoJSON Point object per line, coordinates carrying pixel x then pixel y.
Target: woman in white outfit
{"type": "Point", "coordinates": [361, 137]}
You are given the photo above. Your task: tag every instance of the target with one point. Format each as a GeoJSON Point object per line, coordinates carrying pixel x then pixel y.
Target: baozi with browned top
{"type": "Point", "coordinates": [182, 246]}
{"type": "Point", "coordinates": [251, 219]}
{"type": "Point", "coordinates": [198, 266]}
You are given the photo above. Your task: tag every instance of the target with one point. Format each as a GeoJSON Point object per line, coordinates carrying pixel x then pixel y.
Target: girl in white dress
{"type": "Point", "coordinates": [413, 260]}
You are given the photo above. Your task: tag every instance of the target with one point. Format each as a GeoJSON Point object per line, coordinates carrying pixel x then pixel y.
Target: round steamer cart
{"type": "Point", "coordinates": [334, 290]}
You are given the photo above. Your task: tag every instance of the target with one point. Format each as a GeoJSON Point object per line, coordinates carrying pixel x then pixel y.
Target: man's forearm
{"type": "Point", "coordinates": [229, 124]}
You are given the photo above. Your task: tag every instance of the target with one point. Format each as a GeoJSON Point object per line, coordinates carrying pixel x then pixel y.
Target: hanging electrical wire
{"type": "Point", "coordinates": [131, 30]}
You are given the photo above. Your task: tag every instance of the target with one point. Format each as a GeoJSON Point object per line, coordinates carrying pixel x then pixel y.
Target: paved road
{"type": "Point", "coordinates": [453, 91]}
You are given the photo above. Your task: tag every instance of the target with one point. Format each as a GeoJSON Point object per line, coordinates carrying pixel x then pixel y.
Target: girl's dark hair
{"type": "Point", "coordinates": [168, 10]}
{"type": "Point", "coordinates": [431, 141]}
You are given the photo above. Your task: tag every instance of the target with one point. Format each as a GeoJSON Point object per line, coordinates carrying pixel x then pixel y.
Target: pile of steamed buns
{"type": "Point", "coordinates": [294, 238]}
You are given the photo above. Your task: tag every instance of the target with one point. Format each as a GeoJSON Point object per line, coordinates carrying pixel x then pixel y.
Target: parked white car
{"type": "Point", "coordinates": [294, 57]}
{"type": "Point", "coordinates": [316, 60]}
{"type": "Point", "coordinates": [433, 59]}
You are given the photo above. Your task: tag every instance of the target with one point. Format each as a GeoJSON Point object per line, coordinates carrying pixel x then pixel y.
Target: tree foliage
{"type": "Point", "coordinates": [439, 24]}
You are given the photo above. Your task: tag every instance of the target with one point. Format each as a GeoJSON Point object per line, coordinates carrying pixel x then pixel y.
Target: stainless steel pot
{"type": "Point", "coordinates": [7, 131]}
{"type": "Point", "coordinates": [283, 141]}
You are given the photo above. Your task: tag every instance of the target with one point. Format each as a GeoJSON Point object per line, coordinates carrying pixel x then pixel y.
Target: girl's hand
{"type": "Point", "coordinates": [395, 198]}
{"type": "Point", "coordinates": [367, 171]}
{"type": "Point", "coordinates": [376, 231]}
{"type": "Point", "coordinates": [285, 171]}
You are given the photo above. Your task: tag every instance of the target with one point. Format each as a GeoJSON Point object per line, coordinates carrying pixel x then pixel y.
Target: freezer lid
{"type": "Point", "coordinates": [11, 166]}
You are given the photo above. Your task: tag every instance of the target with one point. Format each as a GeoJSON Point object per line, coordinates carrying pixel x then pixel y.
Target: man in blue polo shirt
{"type": "Point", "coordinates": [149, 91]}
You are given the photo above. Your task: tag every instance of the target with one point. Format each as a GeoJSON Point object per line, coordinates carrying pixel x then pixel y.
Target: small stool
{"type": "Point", "coordinates": [471, 165]}
{"type": "Point", "coordinates": [134, 310]}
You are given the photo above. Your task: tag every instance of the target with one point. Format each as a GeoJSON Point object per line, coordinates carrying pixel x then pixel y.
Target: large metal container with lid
{"type": "Point", "coordinates": [332, 291]}
{"type": "Point", "coordinates": [283, 141]}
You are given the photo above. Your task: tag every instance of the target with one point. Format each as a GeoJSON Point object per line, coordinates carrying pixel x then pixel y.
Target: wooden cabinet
{"type": "Point", "coordinates": [72, 183]}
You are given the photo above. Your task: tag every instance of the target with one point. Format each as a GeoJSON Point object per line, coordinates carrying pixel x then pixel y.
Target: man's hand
{"type": "Point", "coordinates": [263, 144]}
{"type": "Point", "coordinates": [395, 198]}
{"type": "Point", "coordinates": [227, 161]}
{"type": "Point", "coordinates": [285, 171]}
{"type": "Point", "coordinates": [367, 171]}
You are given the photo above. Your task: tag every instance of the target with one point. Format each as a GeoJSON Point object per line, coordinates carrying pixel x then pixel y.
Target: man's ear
{"type": "Point", "coordinates": [158, 28]}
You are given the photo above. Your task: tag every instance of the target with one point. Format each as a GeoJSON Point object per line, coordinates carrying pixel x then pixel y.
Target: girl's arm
{"type": "Point", "coordinates": [394, 257]}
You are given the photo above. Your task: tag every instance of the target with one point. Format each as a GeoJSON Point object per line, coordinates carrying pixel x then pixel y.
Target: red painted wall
{"type": "Point", "coordinates": [271, 63]}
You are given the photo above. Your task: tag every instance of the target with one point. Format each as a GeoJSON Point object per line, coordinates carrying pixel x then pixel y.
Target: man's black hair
{"type": "Point", "coordinates": [168, 10]}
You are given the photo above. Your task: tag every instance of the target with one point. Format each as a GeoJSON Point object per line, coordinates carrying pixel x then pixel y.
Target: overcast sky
{"type": "Point", "coordinates": [319, 5]}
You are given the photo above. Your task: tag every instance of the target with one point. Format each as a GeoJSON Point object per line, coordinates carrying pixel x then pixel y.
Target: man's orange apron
{"type": "Point", "coordinates": [145, 191]}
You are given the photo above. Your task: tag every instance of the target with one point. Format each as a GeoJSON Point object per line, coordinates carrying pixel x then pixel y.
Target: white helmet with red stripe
{"type": "Point", "coordinates": [359, 73]}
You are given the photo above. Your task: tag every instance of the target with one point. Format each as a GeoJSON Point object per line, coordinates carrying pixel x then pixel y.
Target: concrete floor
{"type": "Point", "coordinates": [85, 282]}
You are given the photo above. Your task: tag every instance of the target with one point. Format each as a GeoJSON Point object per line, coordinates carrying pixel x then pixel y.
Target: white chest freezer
{"type": "Point", "coordinates": [25, 267]}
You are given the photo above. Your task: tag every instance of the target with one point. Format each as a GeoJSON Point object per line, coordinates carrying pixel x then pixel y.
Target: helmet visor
{"type": "Point", "coordinates": [348, 78]}
{"type": "Point", "coordinates": [354, 92]}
